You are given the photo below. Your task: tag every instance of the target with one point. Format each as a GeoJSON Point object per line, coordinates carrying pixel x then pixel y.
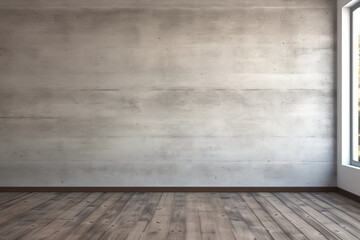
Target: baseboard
{"type": "Point", "coordinates": [168, 189]}
{"type": "Point", "coordinates": [182, 189]}
{"type": "Point", "coordinates": [348, 194]}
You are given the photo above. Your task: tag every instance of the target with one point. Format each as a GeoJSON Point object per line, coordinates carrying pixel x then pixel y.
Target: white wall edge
{"type": "Point", "coordinates": [347, 175]}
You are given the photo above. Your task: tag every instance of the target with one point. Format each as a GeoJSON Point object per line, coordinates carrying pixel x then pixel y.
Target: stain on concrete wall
{"type": "Point", "coordinates": [180, 93]}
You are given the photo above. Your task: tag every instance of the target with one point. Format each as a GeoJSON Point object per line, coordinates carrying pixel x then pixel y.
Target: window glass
{"type": "Point", "coordinates": [356, 84]}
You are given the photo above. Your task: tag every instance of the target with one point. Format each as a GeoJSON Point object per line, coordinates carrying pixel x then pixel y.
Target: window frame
{"type": "Point", "coordinates": [352, 100]}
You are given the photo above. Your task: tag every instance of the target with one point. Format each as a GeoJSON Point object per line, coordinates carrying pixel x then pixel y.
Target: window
{"type": "Point", "coordinates": [355, 75]}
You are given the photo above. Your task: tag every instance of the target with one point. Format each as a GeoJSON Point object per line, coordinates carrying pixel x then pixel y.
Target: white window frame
{"type": "Point", "coordinates": [354, 93]}
{"type": "Point", "coordinates": [348, 176]}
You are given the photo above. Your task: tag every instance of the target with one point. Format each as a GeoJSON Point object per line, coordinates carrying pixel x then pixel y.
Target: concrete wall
{"type": "Point", "coordinates": [180, 93]}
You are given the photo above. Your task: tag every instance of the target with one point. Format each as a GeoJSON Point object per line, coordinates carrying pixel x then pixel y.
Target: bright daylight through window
{"type": "Point", "coordinates": [355, 46]}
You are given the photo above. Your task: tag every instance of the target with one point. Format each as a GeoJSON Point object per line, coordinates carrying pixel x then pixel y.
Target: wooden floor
{"type": "Point", "coordinates": [157, 216]}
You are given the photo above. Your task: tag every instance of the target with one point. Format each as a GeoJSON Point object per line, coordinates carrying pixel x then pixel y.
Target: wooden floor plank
{"type": "Point", "coordinates": [344, 200]}
{"type": "Point", "coordinates": [240, 229]}
{"type": "Point", "coordinates": [137, 231]}
{"type": "Point", "coordinates": [178, 216]}
{"type": "Point", "coordinates": [193, 231]}
{"type": "Point", "coordinates": [256, 227]}
{"type": "Point", "coordinates": [307, 218]}
{"type": "Point", "coordinates": [52, 213]}
{"type": "Point", "coordinates": [158, 228]}
{"type": "Point", "coordinates": [88, 223]}
{"type": "Point", "coordinates": [100, 228]}
{"type": "Point", "coordinates": [340, 204]}
{"type": "Point", "coordinates": [343, 220]}
{"type": "Point", "coordinates": [222, 221]}
{"type": "Point", "coordinates": [8, 197]}
{"type": "Point", "coordinates": [208, 227]}
{"type": "Point", "coordinates": [271, 226]}
{"type": "Point", "coordinates": [279, 218]}
{"type": "Point", "coordinates": [12, 201]}
{"type": "Point", "coordinates": [81, 217]}
{"type": "Point", "coordinates": [323, 220]}
{"type": "Point", "coordinates": [24, 223]}
{"type": "Point", "coordinates": [291, 213]}
{"type": "Point", "coordinates": [127, 219]}
{"type": "Point", "coordinates": [150, 206]}
{"type": "Point", "coordinates": [352, 215]}
{"type": "Point", "coordinates": [56, 225]}
{"type": "Point", "coordinates": [23, 206]}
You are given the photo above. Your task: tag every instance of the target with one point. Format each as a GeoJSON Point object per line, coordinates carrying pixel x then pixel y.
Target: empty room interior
{"type": "Point", "coordinates": [179, 119]}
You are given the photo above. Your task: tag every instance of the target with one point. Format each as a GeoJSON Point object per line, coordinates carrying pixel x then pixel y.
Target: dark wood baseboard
{"type": "Point", "coordinates": [348, 194]}
{"type": "Point", "coordinates": [168, 189]}
{"type": "Point", "coordinates": [182, 189]}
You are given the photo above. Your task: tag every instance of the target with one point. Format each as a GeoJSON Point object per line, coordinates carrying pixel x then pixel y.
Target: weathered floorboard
{"type": "Point", "coordinates": [190, 216]}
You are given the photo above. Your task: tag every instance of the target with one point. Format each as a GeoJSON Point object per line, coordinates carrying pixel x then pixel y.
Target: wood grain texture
{"type": "Point", "coordinates": [169, 215]}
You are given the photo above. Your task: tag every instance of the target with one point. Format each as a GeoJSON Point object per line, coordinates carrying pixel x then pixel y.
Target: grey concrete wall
{"type": "Point", "coordinates": [180, 93]}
